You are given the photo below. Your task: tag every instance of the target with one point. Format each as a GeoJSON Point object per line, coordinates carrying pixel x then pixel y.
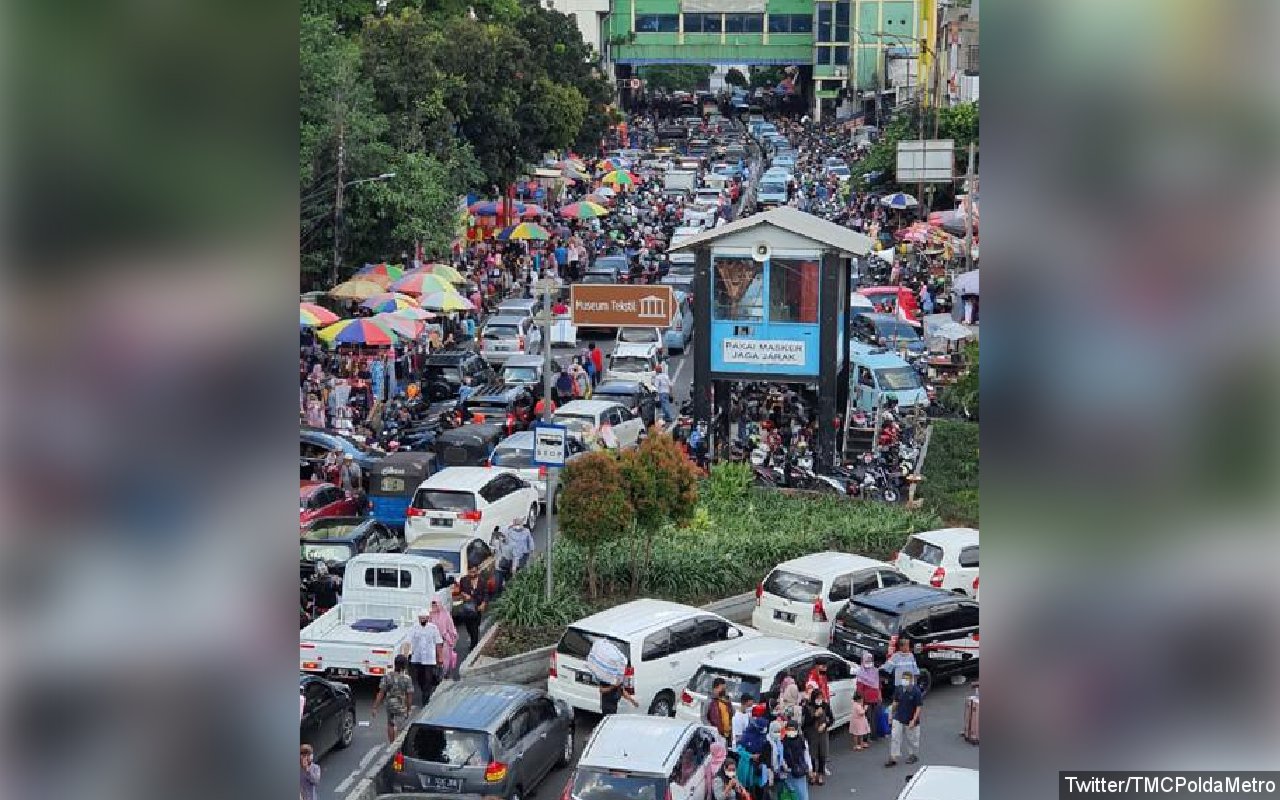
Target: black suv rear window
{"type": "Point", "coordinates": [871, 620]}
{"type": "Point", "coordinates": [458, 748]}
{"type": "Point", "coordinates": [444, 500]}
{"type": "Point", "coordinates": [576, 643]}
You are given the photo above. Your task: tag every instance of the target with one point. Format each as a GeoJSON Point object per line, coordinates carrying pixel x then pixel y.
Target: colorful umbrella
{"type": "Point", "coordinates": [413, 313]}
{"type": "Point", "coordinates": [574, 174]}
{"type": "Point", "coordinates": [403, 326]}
{"type": "Point", "coordinates": [393, 271]}
{"type": "Point", "coordinates": [447, 272]}
{"type": "Point", "coordinates": [524, 231]}
{"type": "Point", "coordinates": [492, 208]}
{"type": "Point", "coordinates": [357, 289]}
{"type": "Point", "coordinates": [358, 331]}
{"type": "Point", "coordinates": [390, 301]}
{"type": "Point", "coordinates": [599, 199]}
{"type": "Point", "coordinates": [619, 178]}
{"type": "Point", "coordinates": [446, 301]}
{"type": "Point", "coordinates": [311, 315]}
{"type": "Point", "coordinates": [610, 164]}
{"type": "Point", "coordinates": [605, 191]}
{"type": "Point", "coordinates": [421, 283]}
{"type": "Point", "coordinates": [532, 211]}
{"type": "Point", "coordinates": [899, 201]}
{"type": "Point", "coordinates": [583, 210]}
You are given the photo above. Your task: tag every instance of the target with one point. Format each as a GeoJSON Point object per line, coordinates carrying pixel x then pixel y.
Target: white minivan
{"type": "Point", "coordinates": [941, 783]}
{"type": "Point", "coordinates": [664, 644]}
{"type": "Point", "coordinates": [757, 666]}
{"type": "Point", "coordinates": [470, 500]}
{"type": "Point", "coordinates": [800, 597]}
{"type": "Point", "coordinates": [944, 559]}
{"type": "Point", "coordinates": [643, 758]}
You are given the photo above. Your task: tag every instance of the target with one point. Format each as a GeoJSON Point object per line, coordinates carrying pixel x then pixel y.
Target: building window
{"type": "Point", "coordinates": [841, 56]}
{"type": "Point", "coordinates": [790, 23]}
{"type": "Point", "coordinates": [824, 56]}
{"type": "Point", "coordinates": [971, 60]}
{"type": "Point", "coordinates": [657, 23]}
{"type": "Point", "coordinates": [702, 23]}
{"type": "Point", "coordinates": [842, 21]}
{"type": "Point", "coordinates": [793, 290]}
{"type": "Point", "coordinates": [744, 23]}
{"type": "Point", "coordinates": [824, 22]}
{"type": "Point", "coordinates": [739, 289]}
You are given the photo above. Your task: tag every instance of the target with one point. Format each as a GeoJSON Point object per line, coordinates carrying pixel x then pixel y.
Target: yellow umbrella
{"type": "Point", "coordinates": [356, 289]}
{"type": "Point", "coordinates": [446, 301]}
{"type": "Point", "coordinates": [422, 283]}
{"type": "Point", "coordinates": [447, 272]}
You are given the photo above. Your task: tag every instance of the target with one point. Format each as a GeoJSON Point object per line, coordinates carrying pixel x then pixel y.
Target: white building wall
{"type": "Point", "coordinates": [588, 14]}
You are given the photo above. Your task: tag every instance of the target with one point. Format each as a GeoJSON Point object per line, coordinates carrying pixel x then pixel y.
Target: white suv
{"type": "Point", "coordinates": [644, 757]}
{"type": "Point", "coordinates": [664, 643]}
{"type": "Point", "coordinates": [584, 418]}
{"type": "Point", "coordinates": [470, 500]}
{"type": "Point", "coordinates": [799, 598]}
{"type": "Point", "coordinates": [945, 559]}
{"type": "Point", "coordinates": [941, 783]}
{"type": "Point", "coordinates": [634, 362]}
{"type": "Point", "coordinates": [757, 666]}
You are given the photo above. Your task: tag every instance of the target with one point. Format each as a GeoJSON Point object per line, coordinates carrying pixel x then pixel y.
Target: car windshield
{"type": "Point", "coordinates": [638, 335]}
{"type": "Point", "coordinates": [793, 586]}
{"type": "Point", "coordinates": [451, 558]}
{"type": "Point", "coordinates": [897, 379]}
{"type": "Point", "coordinates": [576, 422]}
{"type": "Point", "coordinates": [520, 374]}
{"type": "Point", "coordinates": [447, 746]}
{"type": "Point", "coordinates": [873, 620]}
{"type": "Point", "coordinates": [772, 188]}
{"type": "Point", "coordinates": [592, 784]}
{"type": "Point", "coordinates": [326, 552]}
{"type": "Point", "coordinates": [626, 398]}
{"type": "Point", "coordinates": [598, 277]}
{"type": "Point", "coordinates": [630, 364]}
{"type": "Point", "coordinates": [331, 529]}
{"type": "Point", "coordinates": [501, 332]}
{"type": "Point", "coordinates": [736, 684]}
{"type": "Point", "coordinates": [920, 550]}
{"type": "Point", "coordinates": [576, 643]}
{"type": "Point", "coordinates": [514, 457]}
{"type": "Point", "coordinates": [897, 329]}
{"type": "Point", "coordinates": [450, 374]}
{"type": "Point", "coordinates": [443, 500]}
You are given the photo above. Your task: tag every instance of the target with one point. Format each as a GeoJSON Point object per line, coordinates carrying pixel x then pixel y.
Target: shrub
{"type": "Point", "coordinates": [663, 486]}
{"type": "Point", "coordinates": [728, 482]}
{"type": "Point", "coordinates": [594, 507]}
{"type": "Point", "coordinates": [950, 486]}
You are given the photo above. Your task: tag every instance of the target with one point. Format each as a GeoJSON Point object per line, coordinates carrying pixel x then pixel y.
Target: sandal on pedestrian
{"type": "Point", "coordinates": [891, 763]}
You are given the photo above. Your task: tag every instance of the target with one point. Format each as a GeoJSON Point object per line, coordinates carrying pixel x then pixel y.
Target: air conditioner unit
{"type": "Point", "coordinates": [761, 252]}
{"type": "Point", "coordinates": [840, 72]}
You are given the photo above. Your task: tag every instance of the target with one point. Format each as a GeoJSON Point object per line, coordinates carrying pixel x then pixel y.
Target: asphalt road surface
{"type": "Point", "coordinates": [339, 766]}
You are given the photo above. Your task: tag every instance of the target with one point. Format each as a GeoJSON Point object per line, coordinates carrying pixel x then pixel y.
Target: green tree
{"type": "Point", "coordinates": [677, 77]}
{"type": "Point", "coordinates": [594, 507]}
{"type": "Point", "coordinates": [766, 77]}
{"type": "Point", "coordinates": [734, 77]}
{"type": "Point", "coordinates": [663, 488]}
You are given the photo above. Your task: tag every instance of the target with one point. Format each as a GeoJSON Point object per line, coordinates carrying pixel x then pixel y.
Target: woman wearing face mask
{"type": "Point", "coordinates": [795, 757]}
{"type": "Point", "coordinates": [817, 721]}
{"type": "Point", "coordinates": [725, 785]}
{"type": "Point", "coordinates": [868, 686]}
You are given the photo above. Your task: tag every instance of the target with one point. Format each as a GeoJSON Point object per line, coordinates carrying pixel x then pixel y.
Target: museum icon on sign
{"type": "Point", "coordinates": [653, 307]}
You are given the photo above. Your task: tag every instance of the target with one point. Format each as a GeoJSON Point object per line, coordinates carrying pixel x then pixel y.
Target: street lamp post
{"type": "Point", "coordinates": [337, 211]}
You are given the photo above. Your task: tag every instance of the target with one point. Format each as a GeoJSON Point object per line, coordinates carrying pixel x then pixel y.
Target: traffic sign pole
{"type": "Point", "coordinates": [553, 473]}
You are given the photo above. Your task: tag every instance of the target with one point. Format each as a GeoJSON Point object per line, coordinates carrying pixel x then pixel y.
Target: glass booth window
{"type": "Point", "coordinates": [793, 290]}
{"type": "Point", "coordinates": [739, 289]}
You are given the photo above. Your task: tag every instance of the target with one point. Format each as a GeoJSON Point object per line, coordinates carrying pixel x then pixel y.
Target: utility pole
{"type": "Point", "coordinates": [547, 287]}
{"type": "Point", "coordinates": [970, 182]}
{"type": "Point", "coordinates": [337, 203]}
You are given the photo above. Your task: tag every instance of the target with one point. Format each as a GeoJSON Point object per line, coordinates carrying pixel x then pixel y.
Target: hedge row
{"type": "Point", "coordinates": [950, 487]}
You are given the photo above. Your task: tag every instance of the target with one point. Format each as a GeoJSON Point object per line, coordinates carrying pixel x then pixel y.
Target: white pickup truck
{"type": "Point", "coordinates": [382, 594]}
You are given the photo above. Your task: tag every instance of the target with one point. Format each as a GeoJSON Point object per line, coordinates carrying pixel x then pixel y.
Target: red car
{"type": "Point", "coordinates": [325, 500]}
{"type": "Point", "coordinates": [892, 297]}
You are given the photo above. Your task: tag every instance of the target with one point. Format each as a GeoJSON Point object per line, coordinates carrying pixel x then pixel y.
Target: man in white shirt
{"type": "Point", "coordinates": [426, 651]}
{"type": "Point", "coordinates": [662, 384]}
{"type": "Point", "coordinates": [521, 542]}
{"type": "Point", "coordinates": [741, 718]}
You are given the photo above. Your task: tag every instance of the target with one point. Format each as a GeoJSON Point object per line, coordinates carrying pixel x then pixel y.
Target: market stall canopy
{"type": "Point", "coordinates": [389, 301]}
{"type": "Point", "coordinates": [447, 272]}
{"type": "Point", "coordinates": [584, 209]}
{"type": "Point", "coordinates": [356, 289]}
{"type": "Point", "coordinates": [952, 331]}
{"type": "Point", "coordinates": [358, 331]}
{"type": "Point", "coordinates": [402, 326]}
{"type": "Point", "coordinates": [966, 283]}
{"type": "Point", "coordinates": [312, 315]}
{"type": "Point", "coordinates": [525, 231]}
{"type": "Point", "coordinates": [420, 283]}
{"type": "Point", "coordinates": [419, 314]}
{"type": "Point", "coordinates": [393, 271]}
{"type": "Point", "coordinates": [899, 201]}
{"type": "Point", "coordinates": [446, 301]}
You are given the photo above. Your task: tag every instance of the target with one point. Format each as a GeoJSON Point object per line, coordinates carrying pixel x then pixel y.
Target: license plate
{"type": "Point", "coordinates": [441, 523]}
{"type": "Point", "coordinates": [439, 783]}
{"type": "Point", "coordinates": [784, 616]}
{"type": "Point", "coordinates": [587, 678]}
{"type": "Point", "coordinates": [343, 672]}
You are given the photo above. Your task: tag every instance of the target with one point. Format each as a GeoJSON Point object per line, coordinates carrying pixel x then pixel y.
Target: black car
{"type": "Point", "coordinates": [637, 397]}
{"type": "Point", "coordinates": [316, 444]}
{"type": "Point", "coordinates": [336, 539]}
{"type": "Point", "coordinates": [508, 405]}
{"type": "Point", "coordinates": [328, 714]}
{"type": "Point", "coordinates": [895, 333]}
{"type": "Point", "coordinates": [444, 370]}
{"type": "Point", "coordinates": [468, 446]}
{"type": "Point", "coordinates": [942, 627]}
{"type": "Point", "coordinates": [607, 269]}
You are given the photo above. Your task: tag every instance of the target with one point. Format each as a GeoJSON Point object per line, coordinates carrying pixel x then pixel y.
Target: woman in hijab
{"type": "Point", "coordinates": [789, 698]}
{"type": "Point", "coordinates": [867, 684]}
{"type": "Point", "coordinates": [442, 616]}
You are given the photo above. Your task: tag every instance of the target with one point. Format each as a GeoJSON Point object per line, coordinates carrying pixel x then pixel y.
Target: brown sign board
{"type": "Point", "coordinates": [618, 305]}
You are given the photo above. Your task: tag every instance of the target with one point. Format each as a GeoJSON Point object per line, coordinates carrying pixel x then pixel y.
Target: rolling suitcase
{"type": "Point", "coordinates": [970, 732]}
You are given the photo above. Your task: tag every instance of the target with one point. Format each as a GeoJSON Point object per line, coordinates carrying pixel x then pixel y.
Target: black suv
{"type": "Point", "coordinates": [942, 627]}
{"type": "Point", "coordinates": [444, 370]}
{"type": "Point", "coordinates": [510, 406]}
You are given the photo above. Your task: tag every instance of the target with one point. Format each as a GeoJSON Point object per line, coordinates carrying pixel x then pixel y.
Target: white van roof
{"type": "Point", "coordinates": [637, 617]}
{"type": "Point", "coordinates": [636, 744]}
{"type": "Point", "coordinates": [761, 655]}
{"type": "Point", "coordinates": [829, 564]}
{"type": "Point", "coordinates": [463, 479]}
{"type": "Point", "coordinates": [959, 537]}
{"type": "Point", "coordinates": [942, 783]}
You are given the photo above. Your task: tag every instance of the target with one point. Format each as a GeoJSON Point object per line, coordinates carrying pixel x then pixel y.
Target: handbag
{"type": "Point", "coordinates": [785, 792]}
{"type": "Point", "coordinates": [468, 610]}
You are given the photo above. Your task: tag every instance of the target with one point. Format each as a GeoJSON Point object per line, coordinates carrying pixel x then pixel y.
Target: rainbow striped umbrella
{"type": "Point", "coordinates": [413, 313]}
{"type": "Point", "coordinates": [402, 326]}
{"type": "Point", "coordinates": [447, 272]}
{"type": "Point", "coordinates": [524, 231]}
{"type": "Point", "coordinates": [611, 163]}
{"type": "Point", "coordinates": [358, 331]}
{"type": "Point", "coordinates": [392, 271]}
{"type": "Point", "coordinates": [420, 283]}
{"type": "Point", "coordinates": [532, 211]}
{"type": "Point", "coordinates": [447, 301]}
{"type": "Point", "coordinates": [584, 209]}
{"type": "Point", "coordinates": [357, 289]}
{"type": "Point", "coordinates": [390, 301]}
{"type": "Point", "coordinates": [492, 208]}
{"type": "Point", "coordinates": [311, 315]}
{"type": "Point", "coordinates": [619, 177]}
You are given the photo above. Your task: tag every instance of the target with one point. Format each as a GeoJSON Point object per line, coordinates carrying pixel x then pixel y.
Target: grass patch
{"type": "Point", "coordinates": [950, 487]}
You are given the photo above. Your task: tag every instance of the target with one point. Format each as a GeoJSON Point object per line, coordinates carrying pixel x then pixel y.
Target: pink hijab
{"type": "Point", "coordinates": [443, 619]}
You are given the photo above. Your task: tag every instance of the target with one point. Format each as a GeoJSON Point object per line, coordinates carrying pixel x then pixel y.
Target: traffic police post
{"type": "Point", "coordinates": [550, 446]}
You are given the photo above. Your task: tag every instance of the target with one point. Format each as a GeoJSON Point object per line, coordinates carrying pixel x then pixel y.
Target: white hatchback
{"type": "Point", "coordinates": [646, 758]}
{"type": "Point", "coordinates": [799, 598]}
{"type": "Point", "coordinates": [470, 500]}
{"type": "Point", "coordinates": [664, 644]}
{"type": "Point", "coordinates": [945, 559]}
{"type": "Point", "coordinates": [584, 418]}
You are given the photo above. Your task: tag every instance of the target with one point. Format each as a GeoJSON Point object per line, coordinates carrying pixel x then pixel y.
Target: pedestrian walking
{"type": "Point", "coordinates": [426, 651]}
{"type": "Point", "coordinates": [867, 686]}
{"type": "Point", "coordinates": [597, 358]}
{"type": "Point", "coordinates": [859, 728]}
{"type": "Point", "coordinates": [908, 703]}
{"type": "Point", "coordinates": [611, 693]}
{"type": "Point", "coordinates": [309, 774]}
{"type": "Point", "coordinates": [396, 691]}
{"type": "Point", "coordinates": [902, 662]}
{"type": "Point", "coordinates": [442, 618]}
{"type": "Point", "coordinates": [816, 724]}
{"type": "Point", "coordinates": [795, 756]}
{"type": "Point", "coordinates": [662, 385]}
{"type": "Point", "coordinates": [719, 712]}
{"type": "Point", "coordinates": [475, 598]}
{"type": "Point", "coordinates": [522, 545]}
{"type": "Point", "coordinates": [741, 718]}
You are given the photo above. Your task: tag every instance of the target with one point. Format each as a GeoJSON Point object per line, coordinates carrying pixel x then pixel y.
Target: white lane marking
{"type": "Point", "coordinates": [369, 756]}
{"type": "Point", "coordinates": [676, 376]}
{"type": "Point", "coordinates": [346, 784]}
